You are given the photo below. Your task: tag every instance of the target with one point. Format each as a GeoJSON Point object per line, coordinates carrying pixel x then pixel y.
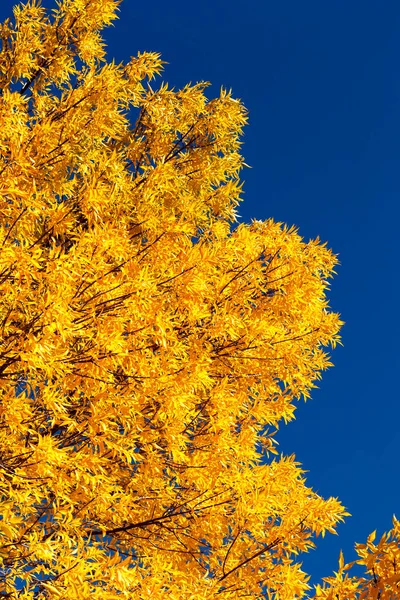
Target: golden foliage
{"type": "Point", "coordinates": [146, 344]}
{"type": "Point", "coordinates": [382, 566]}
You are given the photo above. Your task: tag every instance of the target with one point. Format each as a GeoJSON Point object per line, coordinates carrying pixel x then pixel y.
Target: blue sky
{"type": "Point", "coordinates": [321, 80]}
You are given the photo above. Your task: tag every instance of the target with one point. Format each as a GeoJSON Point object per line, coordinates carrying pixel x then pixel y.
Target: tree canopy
{"type": "Point", "coordinates": [150, 346]}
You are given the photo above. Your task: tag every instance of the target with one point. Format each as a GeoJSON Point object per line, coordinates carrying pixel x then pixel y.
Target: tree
{"type": "Point", "coordinates": [149, 347]}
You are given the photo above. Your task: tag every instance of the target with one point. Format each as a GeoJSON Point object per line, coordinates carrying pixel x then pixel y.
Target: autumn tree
{"type": "Point", "coordinates": [149, 345]}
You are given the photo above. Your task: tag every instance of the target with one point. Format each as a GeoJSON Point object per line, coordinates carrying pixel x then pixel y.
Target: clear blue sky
{"type": "Point", "coordinates": [321, 80]}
